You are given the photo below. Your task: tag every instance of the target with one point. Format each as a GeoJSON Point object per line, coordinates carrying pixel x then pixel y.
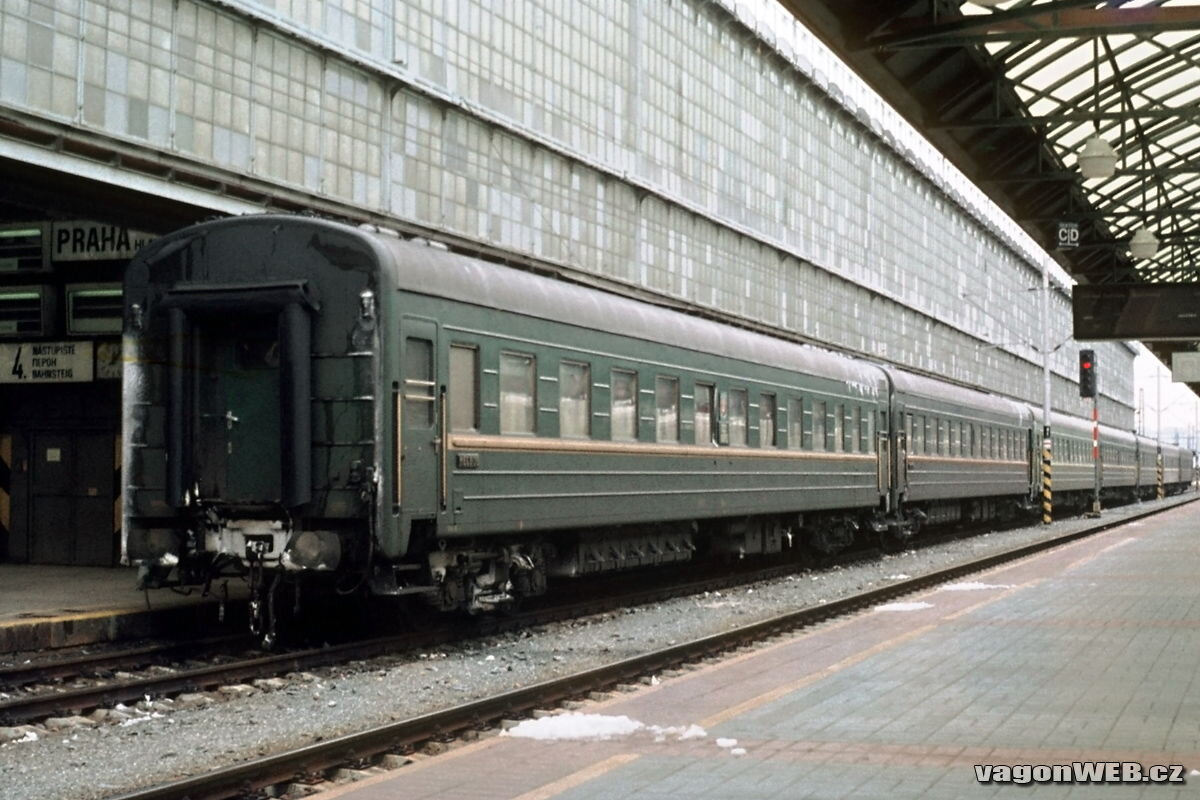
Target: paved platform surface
{"type": "Point", "coordinates": [52, 606]}
{"type": "Point", "coordinates": [1088, 653]}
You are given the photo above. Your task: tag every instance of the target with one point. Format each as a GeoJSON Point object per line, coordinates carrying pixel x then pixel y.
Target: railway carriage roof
{"type": "Point", "coordinates": [927, 388]}
{"type": "Point", "coordinates": [427, 270]}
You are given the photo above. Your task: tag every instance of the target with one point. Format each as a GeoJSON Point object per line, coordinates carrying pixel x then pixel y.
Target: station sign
{"type": "Point", "coordinates": [46, 362]}
{"type": "Point", "coordinates": [1068, 236]}
{"type": "Point", "coordinates": [1185, 367]}
{"type": "Point", "coordinates": [95, 241]}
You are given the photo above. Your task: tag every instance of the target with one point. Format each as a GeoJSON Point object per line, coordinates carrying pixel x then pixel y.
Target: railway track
{"type": "Point", "coordinates": [119, 658]}
{"type": "Point", "coordinates": [310, 763]}
{"type": "Point", "coordinates": [166, 679]}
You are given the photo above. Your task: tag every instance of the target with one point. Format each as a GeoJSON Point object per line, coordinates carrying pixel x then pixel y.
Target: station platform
{"type": "Point", "coordinates": [1087, 653]}
{"type": "Point", "coordinates": [52, 606]}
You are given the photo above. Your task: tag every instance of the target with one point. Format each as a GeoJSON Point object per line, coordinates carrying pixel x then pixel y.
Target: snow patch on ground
{"type": "Point", "coordinates": [974, 586]}
{"type": "Point", "coordinates": [575, 726]}
{"type": "Point", "coordinates": [903, 606]}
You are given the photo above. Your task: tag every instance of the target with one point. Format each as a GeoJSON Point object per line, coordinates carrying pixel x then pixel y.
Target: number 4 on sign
{"type": "Point", "coordinates": [18, 369]}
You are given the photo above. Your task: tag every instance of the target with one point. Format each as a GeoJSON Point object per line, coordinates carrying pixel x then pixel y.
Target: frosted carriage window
{"type": "Point", "coordinates": [666, 409]}
{"type": "Point", "coordinates": [795, 423]}
{"type": "Point", "coordinates": [623, 411]}
{"type": "Point", "coordinates": [464, 388]}
{"type": "Point", "coordinates": [518, 407]}
{"type": "Point", "coordinates": [839, 416]}
{"type": "Point", "coordinates": [737, 417]}
{"type": "Point", "coordinates": [702, 418]}
{"type": "Point", "coordinates": [818, 425]}
{"type": "Point", "coordinates": [766, 420]}
{"type": "Point", "coordinates": [574, 399]}
{"type": "Point", "coordinates": [418, 383]}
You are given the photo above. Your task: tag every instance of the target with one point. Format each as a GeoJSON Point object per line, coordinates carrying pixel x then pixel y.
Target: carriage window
{"type": "Point", "coordinates": [836, 434]}
{"type": "Point", "coordinates": [574, 399]}
{"type": "Point", "coordinates": [766, 420]}
{"type": "Point", "coordinates": [930, 435]}
{"type": "Point", "coordinates": [908, 428]}
{"type": "Point", "coordinates": [865, 437]}
{"type": "Point", "coordinates": [518, 402]}
{"type": "Point", "coordinates": [795, 423]}
{"type": "Point", "coordinates": [916, 442]}
{"type": "Point", "coordinates": [985, 441]}
{"type": "Point", "coordinates": [737, 417]}
{"type": "Point", "coordinates": [464, 388]}
{"type": "Point", "coordinates": [666, 409]}
{"type": "Point", "coordinates": [702, 426]}
{"type": "Point", "coordinates": [850, 431]}
{"type": "Point", "coordinates": [818, 425]}
{"type": "Point", "coordinates": [418, 383]}
{"type": "Point", "coordinates": [624, 407]}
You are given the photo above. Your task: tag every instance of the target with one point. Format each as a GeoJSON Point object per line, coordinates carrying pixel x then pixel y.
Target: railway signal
{"type": "Point", "coordinates": [1087, 373]}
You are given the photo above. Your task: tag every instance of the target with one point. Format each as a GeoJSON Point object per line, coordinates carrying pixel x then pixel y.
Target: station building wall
{"type": "Point", "coordinates": [685, 148]}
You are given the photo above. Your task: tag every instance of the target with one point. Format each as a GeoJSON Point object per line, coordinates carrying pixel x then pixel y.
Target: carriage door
{"type": "Point", "coordinates": [419, 412]}
{"type": "Point", "coordinates": [883, 467]}
{"type": "Point", "coordinates": [902, 425]}
{"type": "Point", "coordinates": [237, 455]}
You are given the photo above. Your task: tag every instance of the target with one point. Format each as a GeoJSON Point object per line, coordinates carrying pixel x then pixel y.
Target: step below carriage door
{"type": "Point", "coordinates": [418, 407]}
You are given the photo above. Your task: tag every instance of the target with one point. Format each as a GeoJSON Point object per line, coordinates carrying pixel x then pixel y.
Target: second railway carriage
{"type": "Point", "coordinates": [966, 453]}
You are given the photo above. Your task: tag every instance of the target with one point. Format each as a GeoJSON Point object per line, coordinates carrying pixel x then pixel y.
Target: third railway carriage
{"type": "Point", "coordinates": [314, 403]}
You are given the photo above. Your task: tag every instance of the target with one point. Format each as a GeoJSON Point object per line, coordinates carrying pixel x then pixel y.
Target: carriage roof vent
{"type": "Point", "coordinates": [423, 242]}
{"type": "Point", "coordinates": [371, 227]}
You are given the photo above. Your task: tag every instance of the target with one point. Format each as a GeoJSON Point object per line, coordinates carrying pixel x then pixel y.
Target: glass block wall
{"type": "Point", "coordinates": [711, 151]}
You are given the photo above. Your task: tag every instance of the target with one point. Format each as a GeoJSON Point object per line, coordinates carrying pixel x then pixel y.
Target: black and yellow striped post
{"type": "Point", "coordinates": [5, 491]}
{"type": "Point", "coordinates": [116, 490]}
{"type": "Point", "coordinates": [1047, 482]}
{"type": "Point", "coordinates": [1160, 491]}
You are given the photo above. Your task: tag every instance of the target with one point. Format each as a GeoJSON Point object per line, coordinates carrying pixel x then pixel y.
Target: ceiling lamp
{"type": "Point", "coordinates": [1144, 243]}
{"type": "Point", "coordinates": [1097, 159]}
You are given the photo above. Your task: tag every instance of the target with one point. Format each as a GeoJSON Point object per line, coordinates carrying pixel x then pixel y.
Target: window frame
{"type": "Point", "coordinates": [613, 416]}
{"type": "Point", "coordinates": [532, 406]}
{"type": "Point", "coordinates": [454, 392]}
{"type": "Point", "coordinates": [563, 413]}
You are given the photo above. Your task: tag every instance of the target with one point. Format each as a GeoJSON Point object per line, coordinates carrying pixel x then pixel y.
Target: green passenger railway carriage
{"type": "Point", "coordinates": [315, 403]}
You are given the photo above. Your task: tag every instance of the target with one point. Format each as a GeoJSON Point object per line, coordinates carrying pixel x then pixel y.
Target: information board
{"type": "Point", "coordinates": [46, 362]}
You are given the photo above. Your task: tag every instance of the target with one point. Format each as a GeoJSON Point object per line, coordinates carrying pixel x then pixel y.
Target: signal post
{"type": "Point", "coordinates": [1087, 388]}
